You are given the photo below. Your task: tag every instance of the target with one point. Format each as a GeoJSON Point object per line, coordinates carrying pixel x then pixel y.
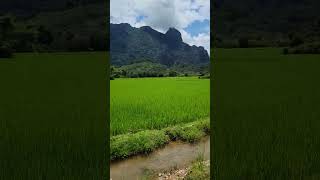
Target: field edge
{"type": "Point", "coordinates": [144, 142]}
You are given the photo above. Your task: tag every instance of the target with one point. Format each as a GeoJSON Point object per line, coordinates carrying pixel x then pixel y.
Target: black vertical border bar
{"type": "Point", "coordinates": [212, 93]}
{"type": "Point", "coordinates": [107, 145]}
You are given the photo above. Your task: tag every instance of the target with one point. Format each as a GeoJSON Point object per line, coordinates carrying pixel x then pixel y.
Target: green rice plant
{"type": "Point", "coordinates": [156, 103]}
{"type": "Point", "coordinates": [265, 115]}
{"type": "Point", "coordinates": [53, 116]}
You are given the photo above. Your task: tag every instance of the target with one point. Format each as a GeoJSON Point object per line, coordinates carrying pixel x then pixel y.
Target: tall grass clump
{"type": "Point", "coordinates": [190, 132]}
{"type": "Point", "coordinates": [143, 142]}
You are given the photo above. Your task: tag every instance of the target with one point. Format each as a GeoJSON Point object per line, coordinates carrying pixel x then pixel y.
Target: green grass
{"type": "Point", "coordinates": [53, 116]}
{"type": "Point", "coordinates": [190, 132]}
{"type": "Point", "coordinates": [140, 143]}
{"type": "Point", "coordinates": [199, 170]}
{"type": "Point", "coordinates": [143, 142]}
{"type": "Point", "coordinates": [156, 103]}
{"type": "Point", "coordinates": [265, 115]}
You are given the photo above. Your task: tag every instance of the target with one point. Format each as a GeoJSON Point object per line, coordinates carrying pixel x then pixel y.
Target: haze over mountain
{"type": "Point", "coordinates": [129, 45]}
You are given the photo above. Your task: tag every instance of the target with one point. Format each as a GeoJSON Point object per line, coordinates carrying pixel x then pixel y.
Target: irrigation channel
{"type": "Point", "coordinates": [174, 155]}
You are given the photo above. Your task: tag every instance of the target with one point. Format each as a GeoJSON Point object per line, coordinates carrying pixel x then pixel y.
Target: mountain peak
{"type": "Point", "coordinates": [127, 25]}
{"type": "Point", "coordinates": [174, 35]}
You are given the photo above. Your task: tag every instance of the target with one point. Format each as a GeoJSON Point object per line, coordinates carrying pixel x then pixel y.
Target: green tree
{"type": "Point", "coordinates": [44, 36]}
{"type": "Point", "coordinates": [243, 42]}
{"type": "Point", "coordinates": [173, 74]}
{"type": "Point", "coordinates": [6, 27]}
{"type": "Point", "coordinates": [5, 52]}
{"type": "Point", "coordinates": [296, 41]}
{"type": "Point", "coordinates": [123, 72]}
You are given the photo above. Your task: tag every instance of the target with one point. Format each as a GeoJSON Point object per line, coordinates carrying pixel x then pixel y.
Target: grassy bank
{"type": "Point", "coordinates": [123, 146]}
{"type": "Point", "coordinates": [265, 115]}
{"type": "Point", "coordinates": [199, 170]}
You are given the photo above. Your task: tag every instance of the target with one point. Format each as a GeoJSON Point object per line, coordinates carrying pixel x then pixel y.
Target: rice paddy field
{"type": "Point", "coordinates": [265, 115]}
{"type": "Point", "coordinates": [155, 103]}
{"type": "Point", "coordinates": [53, 116]}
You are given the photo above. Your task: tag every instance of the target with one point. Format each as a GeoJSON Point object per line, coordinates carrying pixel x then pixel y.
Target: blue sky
{"type": "Point", "coordinates": [190, 17]}
{"type": "Point", "coordinates": [198, 27]}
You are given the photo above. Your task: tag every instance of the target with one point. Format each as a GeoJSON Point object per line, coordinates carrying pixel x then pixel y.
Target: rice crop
{"type": "Point", "coordinates": [53, 116]}
{"type": "Point", "coordinates": [265, 115]}
{"type": "Point", "coordinates": [153, 103]}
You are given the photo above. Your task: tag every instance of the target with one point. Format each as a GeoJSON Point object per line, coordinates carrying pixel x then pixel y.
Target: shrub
{"type": "Point", "coordinates": [78, 44]}
{"type": "Point", "coordinates": [296, 41]}
{"type": "Point", "coordinates": [5, 52]}
{"type": "Point", "coordinates": [243, 43]}
{"type": "Point", "coordinates": [307, 48]}
{"type": "Point", "coordinates": [173, 74]}
{"type": "Point", "coordinates": [44, 36]}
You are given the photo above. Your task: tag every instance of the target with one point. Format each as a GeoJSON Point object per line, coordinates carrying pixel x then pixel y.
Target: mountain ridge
{"type": "Point", "coordinates": [129, 44]}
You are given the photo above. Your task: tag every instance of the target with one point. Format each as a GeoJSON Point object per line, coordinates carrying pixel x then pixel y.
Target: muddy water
{"type": "Point", "coordinates": [175, 154]}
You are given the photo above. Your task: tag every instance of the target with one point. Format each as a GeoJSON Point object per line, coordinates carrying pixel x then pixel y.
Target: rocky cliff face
{"type": "Point", "coordinates": [129, 45]}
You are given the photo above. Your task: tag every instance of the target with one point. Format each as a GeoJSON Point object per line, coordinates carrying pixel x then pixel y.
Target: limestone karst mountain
{"type": "Point", "coordinates": [129, 45]}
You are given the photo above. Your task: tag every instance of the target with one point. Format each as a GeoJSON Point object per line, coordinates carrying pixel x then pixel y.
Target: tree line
{"type": "Point", "coordinates": [39, 38]}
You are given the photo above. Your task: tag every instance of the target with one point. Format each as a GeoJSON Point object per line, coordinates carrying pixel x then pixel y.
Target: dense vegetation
{"type": "Point", "coordinates": [79, 27]}
{"type": "Point", "coordinates": [265, 115]}
{"type": "Point", "coordinates": [23, 8]}
{"type": "Point", "coordinates": [261, 23]}
{"type": "Point", "coordinates": [53, 116]}
{"type": "Point", "coordinates": [149, 69]}
{"type": "Point", "coordinates": [156, 103]}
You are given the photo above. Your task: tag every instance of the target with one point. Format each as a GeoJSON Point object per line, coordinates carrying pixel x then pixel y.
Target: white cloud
{"type": "Point", "coordinates": [122, 11]}
{"type": "Point", "coordinates": [202, 39]}
{"type": "Point", "coordinates": [163, 14]}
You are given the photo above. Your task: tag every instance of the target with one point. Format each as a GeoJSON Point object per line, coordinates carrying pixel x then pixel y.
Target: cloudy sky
{"type": "Point", "coordinates": [190, 17]}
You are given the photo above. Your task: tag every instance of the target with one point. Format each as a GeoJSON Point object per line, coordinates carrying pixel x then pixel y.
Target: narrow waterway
{"type": "Point", "coordinates": [175, 154]}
